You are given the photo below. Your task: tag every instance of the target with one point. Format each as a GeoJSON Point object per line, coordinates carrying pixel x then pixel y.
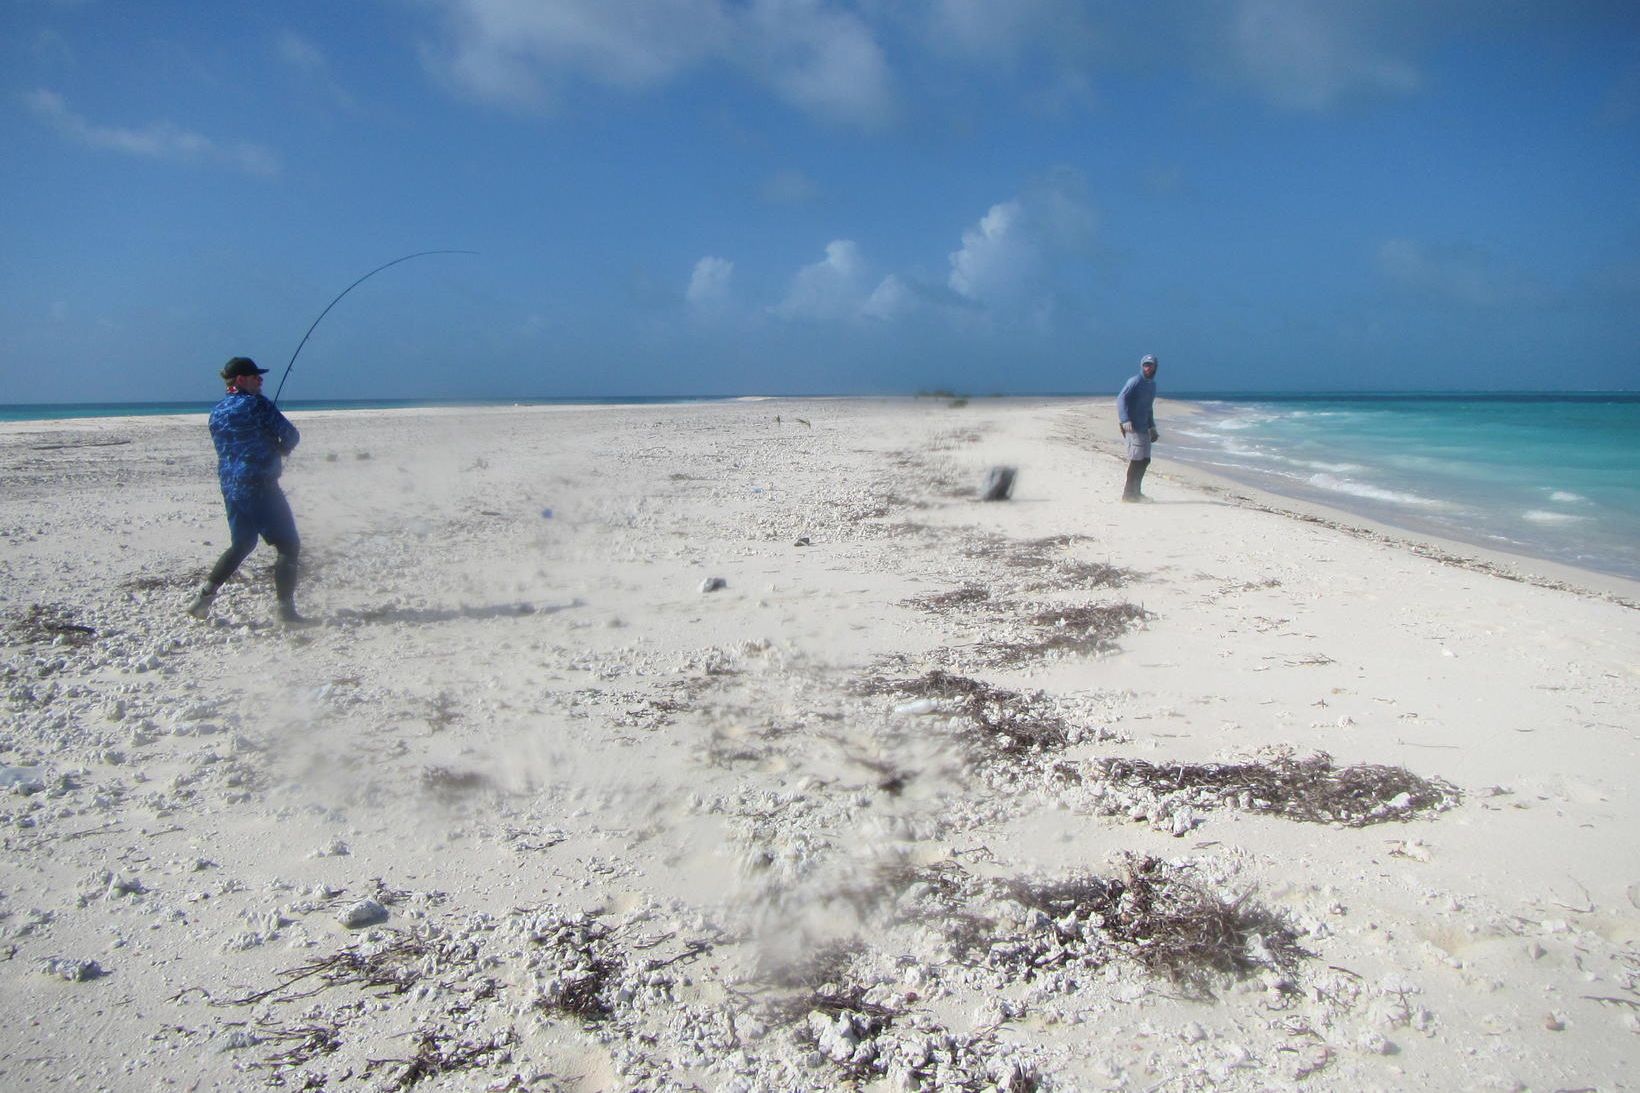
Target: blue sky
{"type": "Point", "coordinates": [806, 196]}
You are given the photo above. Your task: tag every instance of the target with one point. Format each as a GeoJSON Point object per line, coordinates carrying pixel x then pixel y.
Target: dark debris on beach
{"type": "Point", "coordinates": [50, 624]}
{"type": "Point", "coordinates": [1312, 790]}
{"type": "Point", "coordinates": [1008, 722]}
{"type": "Point", "coordinates": [1158, 914]}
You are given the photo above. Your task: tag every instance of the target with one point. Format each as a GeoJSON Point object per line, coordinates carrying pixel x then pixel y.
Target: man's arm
{"type": "Point", "coordinates": [285, 436]}
{"type": "Point", "coordinates": [1124, 413]}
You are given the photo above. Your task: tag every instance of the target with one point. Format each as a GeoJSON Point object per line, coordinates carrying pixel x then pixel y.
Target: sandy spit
{"type": "Point", "coordinates": [740, 746]}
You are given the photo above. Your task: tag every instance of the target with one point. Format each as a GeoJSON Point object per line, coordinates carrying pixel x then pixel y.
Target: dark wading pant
{"type": "Point", "coordinates": [266, 515]}
{"type": "Point", "coordinates": [1135, 475]}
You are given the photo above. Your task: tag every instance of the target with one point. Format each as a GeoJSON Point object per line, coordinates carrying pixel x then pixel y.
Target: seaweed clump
{"type": "Point", "coordinates": [586, 966]}
{"type": "Point", "coordinates": [51, 624]}
{"type": "Point", "coordinates": [1086, 628]}
{"type": "Point", "coordinates": [1153, 913]}
{"type": "Point", "coordinates": [1006, 721]}
{"type": "Point", "coordinates": [1172, 925]}
{"type": "Point", "coordinates": [1312, 790]}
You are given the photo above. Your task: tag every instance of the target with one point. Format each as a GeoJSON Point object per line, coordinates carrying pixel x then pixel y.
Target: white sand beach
{"type": "Point", "coordinates": [931, 793]}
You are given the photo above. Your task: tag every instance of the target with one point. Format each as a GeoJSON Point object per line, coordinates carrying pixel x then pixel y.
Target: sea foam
{"type": "Point", "coordinates": [1363, 489]}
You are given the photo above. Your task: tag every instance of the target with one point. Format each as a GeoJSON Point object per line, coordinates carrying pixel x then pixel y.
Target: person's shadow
{"type": "Point", "coordinates": [449, 614]}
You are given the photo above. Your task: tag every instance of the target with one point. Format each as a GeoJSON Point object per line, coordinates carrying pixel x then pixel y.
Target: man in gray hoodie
{"type": "Point", "coordinates": [1135, 409]}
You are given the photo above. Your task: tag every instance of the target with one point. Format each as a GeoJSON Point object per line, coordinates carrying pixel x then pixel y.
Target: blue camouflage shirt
{"type": "Point", "coordinates": [1136, 404]}
{"type": "Point", "coordinates": [251, 437]}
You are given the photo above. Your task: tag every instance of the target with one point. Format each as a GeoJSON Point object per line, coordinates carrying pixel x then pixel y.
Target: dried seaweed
{"type": "Point", "coordinates": [1089, 628]}
{"type": "Point", "coordinates": [824, 984]}
{"type": "Point", "coordinates": [1006, 721]}
{"type": "Point", "coordinates": [301, 1043]}
{"type": "Point", "coordinates": [51, 624]}
{"type": "Point", "coordinates": [591, 964]}
{"type": "Point", "coordinates": [1311, 790]}
{"type": "Point", "coordinates": [435, 1057]}
{"type": "Point", "coordinates": [1091, 575]}
{"type": "Point", "coordinates": [583, 996]}
{"type": "Point", "coordinates": [1048, 554]}
{"type": "Point", "coordinates": [941, 603]}
{"type": "Point", "coordinates": [1153, 913]}
{"type": "Point", "coordinates": [1160, 916]}
{"type": "Point", "coordinates": [393, 968]}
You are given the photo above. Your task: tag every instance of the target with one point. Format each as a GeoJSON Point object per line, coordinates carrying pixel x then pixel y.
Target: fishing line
{"type": "Point", "coordinates": [338, 299]}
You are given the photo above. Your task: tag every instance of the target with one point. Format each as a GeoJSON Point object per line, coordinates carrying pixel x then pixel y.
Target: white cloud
{"type": "Point", "coordinates": [1454, 274]}
{"type": "Point", "coordinates": [995, 254]}
{"type": "Point", "coordinates": [889, 300]}
{"type": "Point", "coordinates": [504, 49]}
{"type": "Point", "coordinates": [158, 140]}
{"type": "Point", "coordinates": [818, 56]}
{"type": "Point", "coordinates": [709, 283]}
{"type": "Point", "coordinates": [1008, 269]}
{"type": "Point", "coordinates": [832, 288]}
{"type": "Point", "coordinates": [832, 59]}
{"type": "Point", "coordinates": [1306, 56]}
{"type": "Point", "coordinates": [1008, 257]}
{"type": "Point", "coordinates": [994, 31]}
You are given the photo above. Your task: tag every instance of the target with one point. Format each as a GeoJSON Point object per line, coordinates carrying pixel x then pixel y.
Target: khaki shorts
{"type": "Point", "coordinates": [1138, 444]}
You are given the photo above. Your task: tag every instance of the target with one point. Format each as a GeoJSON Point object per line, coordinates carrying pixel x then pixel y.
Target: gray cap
{"type": "Point", "coordinates": [1148, 358]}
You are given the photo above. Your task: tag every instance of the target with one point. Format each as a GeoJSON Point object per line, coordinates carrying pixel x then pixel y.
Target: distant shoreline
{"type": "Point", "coordinates": [58, 411]}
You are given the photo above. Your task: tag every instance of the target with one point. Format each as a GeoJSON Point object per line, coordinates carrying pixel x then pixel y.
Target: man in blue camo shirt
{"type": "Point", "coordinates": [252, 438]}
{"type": "Point", "coordinates": [1135, 412]}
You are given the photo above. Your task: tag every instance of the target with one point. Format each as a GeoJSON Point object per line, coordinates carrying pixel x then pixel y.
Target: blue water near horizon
{"type": "Point", "coordinates": [1553, 476]}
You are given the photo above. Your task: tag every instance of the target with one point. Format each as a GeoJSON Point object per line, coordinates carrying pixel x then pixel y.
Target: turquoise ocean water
{"type": "Point", "coordinates": [1550, 476]}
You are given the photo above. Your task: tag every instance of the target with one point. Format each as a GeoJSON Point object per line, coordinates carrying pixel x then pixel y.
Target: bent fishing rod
{"type": "Point", "coordinates": [338, 299]}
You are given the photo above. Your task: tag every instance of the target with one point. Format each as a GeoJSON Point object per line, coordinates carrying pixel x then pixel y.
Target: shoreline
{"type": "Point", "coordinates": [1464, 553]}
{"type": "Point", "coordinates": [539, 801]}
{"type": "Point", "coordinates": [1511, 565]}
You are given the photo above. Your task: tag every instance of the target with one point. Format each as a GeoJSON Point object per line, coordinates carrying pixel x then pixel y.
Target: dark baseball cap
{"type": "Point", "coordinates": [242, 366]}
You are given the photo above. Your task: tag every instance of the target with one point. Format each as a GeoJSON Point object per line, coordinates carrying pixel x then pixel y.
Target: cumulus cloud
{"type": "Point", "coordinates": [817, 56]}
{"type": "Point", "coordinates": [995, 254]}
{"type": "Point", "coordinates": [832, 288]}
{"type": "Point", "coordinates": [1454, 274]}
{"type": "Point", "coordinates": [159, 140]}
{"type": "Point", "coordinates": [709, 283]}
{"type": "Point", "coordinates": [1009, 256]}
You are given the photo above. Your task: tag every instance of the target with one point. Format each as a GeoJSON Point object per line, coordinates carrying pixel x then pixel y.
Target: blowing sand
{"type": "Point", "coordinates": [929, 794]}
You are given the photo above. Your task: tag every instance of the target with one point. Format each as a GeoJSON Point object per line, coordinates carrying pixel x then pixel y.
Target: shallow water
{"type": "Point", "coordinates": [1552, 476]}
